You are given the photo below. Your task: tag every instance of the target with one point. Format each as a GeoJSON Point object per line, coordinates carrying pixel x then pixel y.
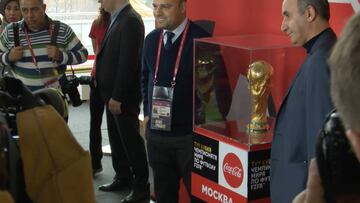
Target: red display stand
{"type": "Point", "coordinates": [229, 165]}
{"type": "Point", "coordinates": [226, 170]}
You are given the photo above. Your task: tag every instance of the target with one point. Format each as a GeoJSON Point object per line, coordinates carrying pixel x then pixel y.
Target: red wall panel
{"type": "Point", "coordinates": [236, 17]}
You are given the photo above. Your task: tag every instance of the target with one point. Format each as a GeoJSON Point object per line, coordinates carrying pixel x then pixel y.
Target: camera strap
{"type": "Point", "coordinates": [54, 35]}
{"type": "Point", "coordinates": [55, 32]}
{"type": "Point", "coordinates": [16, 34]}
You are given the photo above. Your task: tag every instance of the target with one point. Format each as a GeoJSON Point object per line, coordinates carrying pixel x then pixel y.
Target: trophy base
{"type": "Point", "coordinates": [256, 128]}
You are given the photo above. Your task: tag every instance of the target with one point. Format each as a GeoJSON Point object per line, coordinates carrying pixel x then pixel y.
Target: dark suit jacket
{"type": "Point", "coordinates": [299, 121]}
{"type": "Point", "coordinates": [118, 63]}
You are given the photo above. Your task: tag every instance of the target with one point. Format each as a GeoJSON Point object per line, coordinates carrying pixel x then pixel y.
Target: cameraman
{"type": "Point", "coordinates": [35, 62]}
{"type": "Point", "coordinates": [345, 82]}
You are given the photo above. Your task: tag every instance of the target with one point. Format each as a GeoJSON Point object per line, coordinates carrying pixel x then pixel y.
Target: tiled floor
{"type": "Point", "coordinates": [79, 125]}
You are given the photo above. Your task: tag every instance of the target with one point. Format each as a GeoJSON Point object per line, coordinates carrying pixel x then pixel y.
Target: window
{"type": "Point", "coordinates": [80, 14]}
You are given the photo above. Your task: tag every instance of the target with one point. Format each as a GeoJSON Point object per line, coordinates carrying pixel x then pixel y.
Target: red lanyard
{"type": "Point", "coordinates": [177, 64]}
{"type": "Point", "coordinates": [30, 46]}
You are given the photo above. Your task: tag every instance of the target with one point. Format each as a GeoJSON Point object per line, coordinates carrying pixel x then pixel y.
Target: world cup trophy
{"type": "Point", "coordinates": [259, 75]}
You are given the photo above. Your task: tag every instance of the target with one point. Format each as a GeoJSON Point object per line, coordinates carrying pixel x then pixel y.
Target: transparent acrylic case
{"type": "Point", "coordinates": [221, 95]}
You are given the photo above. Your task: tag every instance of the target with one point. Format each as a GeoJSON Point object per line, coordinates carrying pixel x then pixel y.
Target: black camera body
{"type": "Point", "coordinates": [86, 80]}
{"type": "Point", "coordinates": [339, 168]}
{"type": "Point", "coordinates": [69, 84]}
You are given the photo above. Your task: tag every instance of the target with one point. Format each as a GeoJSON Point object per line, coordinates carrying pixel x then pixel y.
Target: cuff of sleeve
{"type": "Point", "coordinates": [6, 59]}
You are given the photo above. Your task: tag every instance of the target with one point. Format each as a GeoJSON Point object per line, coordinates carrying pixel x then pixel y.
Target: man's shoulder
{"type": "Point", "coordinates": [153, 34]}
{"type": "Point", "coordinates": [8, 27]}
{"type": "Point", "coordinates": [324, 43]}
{"type": "Point", "coordinates": [197, 31]}
{"type": "Point", "coordinates": [133, 12]}
{"type": "Point", "coordinates": [130, 15]}
{"type": "Point", "coordinates": [61, 24]}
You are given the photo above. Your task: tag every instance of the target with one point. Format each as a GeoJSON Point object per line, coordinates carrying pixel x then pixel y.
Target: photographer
{"type": "Point", "coordinates": [345, 82]}
{"type": "Point", "coordinates": [33, 60]}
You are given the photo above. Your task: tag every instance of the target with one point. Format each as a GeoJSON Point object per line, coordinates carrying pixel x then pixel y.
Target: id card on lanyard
{"type": "Point", "coordinates": [162, 98]}
{"type": "Point", "coordinates": [161, 108]}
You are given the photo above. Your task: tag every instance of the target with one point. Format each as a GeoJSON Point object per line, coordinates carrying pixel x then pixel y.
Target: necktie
{"type": "Point", "coordinates": [169, 36]}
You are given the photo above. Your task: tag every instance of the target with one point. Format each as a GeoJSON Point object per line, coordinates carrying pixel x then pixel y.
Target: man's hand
{"type": "Point", "coordinates": [114, 107]}
{"type": "Point", "coordinates": [16, 54]}
{"type": "Point", "coordinates": [53, 52]}
{"type": "Point", "coordinates": [314, 192]}
{"type": "Point", "coordinates": [146, 120]}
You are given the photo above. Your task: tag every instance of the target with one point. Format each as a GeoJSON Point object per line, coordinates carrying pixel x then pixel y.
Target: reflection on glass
{"type": "Point", "coordinates": [212, 90]}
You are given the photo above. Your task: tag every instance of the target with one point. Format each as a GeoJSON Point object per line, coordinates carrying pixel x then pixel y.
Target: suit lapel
{"type": "Point", "coordinates": [113, 26]}
{"type": "Point", "coordinates": [287, 93]}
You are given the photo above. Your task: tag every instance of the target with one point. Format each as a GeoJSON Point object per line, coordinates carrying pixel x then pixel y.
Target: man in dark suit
{"type": "Point", "coordinates": [170, 145]}
{"type": "Point", "coordinates": [118, 66]}
{"type": "Point", "coordinates": [307, 102]}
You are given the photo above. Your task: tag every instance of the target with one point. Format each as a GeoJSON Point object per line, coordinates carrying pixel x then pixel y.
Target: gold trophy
{"type": "Point", "coordinates": [259, 75]}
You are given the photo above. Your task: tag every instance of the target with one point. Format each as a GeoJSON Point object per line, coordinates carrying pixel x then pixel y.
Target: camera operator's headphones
{"type": "Point", "coordinates": [338, 166]}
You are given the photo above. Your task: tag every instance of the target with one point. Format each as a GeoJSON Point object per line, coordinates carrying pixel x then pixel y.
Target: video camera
{"type": "Point", "coordinates": [16, 97]}
{"type": "Point", "coordinates": [338, 166]}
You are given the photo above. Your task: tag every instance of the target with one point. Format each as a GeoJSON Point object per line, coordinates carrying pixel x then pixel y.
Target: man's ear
{"type": "Point", "coordinates": [183, 7]}
{"type": "Point", "coordinates": [310, 13]}
{"type": "Point", "coordinates": [354, 138]}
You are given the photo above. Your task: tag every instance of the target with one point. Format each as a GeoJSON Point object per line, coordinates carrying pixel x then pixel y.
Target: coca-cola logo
{"type": "Point", "coordinates": [233, 170]}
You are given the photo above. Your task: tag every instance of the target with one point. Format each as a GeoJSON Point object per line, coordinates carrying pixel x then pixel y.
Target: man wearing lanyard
{"type": "Point", "coordinates": [167, 76]}
{"type": "Point", "coordinates": [118, 67]}
{"type": "Point", "coordinates": [35, 62]}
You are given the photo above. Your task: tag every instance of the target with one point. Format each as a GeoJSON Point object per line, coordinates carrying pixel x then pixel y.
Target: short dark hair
{"type": "Point", "coordinates": [321, 6]}
{"type": "Point", "coordinates": [41, 1]}
{"type": "Point", "coordinates": [8, 1]}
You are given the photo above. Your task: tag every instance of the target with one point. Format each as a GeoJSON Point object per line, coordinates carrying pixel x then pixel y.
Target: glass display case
{"type": "Point", "coordinates": [232, 162]}
{"type": "Point", "coordinates": [222, 97]}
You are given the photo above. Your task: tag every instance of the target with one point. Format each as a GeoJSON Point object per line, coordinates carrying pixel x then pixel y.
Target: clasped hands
{"type": "Point", "coordinates": [17, 53]}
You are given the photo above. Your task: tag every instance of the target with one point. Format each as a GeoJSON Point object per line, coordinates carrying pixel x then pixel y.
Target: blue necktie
{"type": "Point", "coordinates": [169, 36]}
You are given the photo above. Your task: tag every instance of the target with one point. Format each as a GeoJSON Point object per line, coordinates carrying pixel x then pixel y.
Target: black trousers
{"type": "Point", "coordinates": [127, 147]}
{"type": "Point", "coordinates": [97, 107]}
{"type": "Point", "coordinates": [171, 159]}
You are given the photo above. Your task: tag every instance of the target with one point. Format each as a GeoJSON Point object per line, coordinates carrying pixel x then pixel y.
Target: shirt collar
{"type": "Point", "coordinates": [115, 13]}
{"type": "Point", "coordinates": [308, 45]}
{"type": "Point", "coordinates": [177, 31]}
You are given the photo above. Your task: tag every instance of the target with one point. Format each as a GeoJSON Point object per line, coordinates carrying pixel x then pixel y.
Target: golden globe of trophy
{"type": "Point", "coordinates": [259, 75]}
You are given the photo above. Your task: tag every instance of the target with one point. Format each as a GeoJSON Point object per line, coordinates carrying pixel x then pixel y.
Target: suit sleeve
{"type": "Point", "coordinates": [318, 102]}
{"type": "Point", "coordinates": [145, 81]}
{"type": "Point", "coordinates": [131, 42]}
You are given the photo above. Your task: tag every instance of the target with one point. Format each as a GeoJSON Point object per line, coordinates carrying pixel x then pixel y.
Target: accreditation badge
{"type": "Point", "coordinates": [161, 108]}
